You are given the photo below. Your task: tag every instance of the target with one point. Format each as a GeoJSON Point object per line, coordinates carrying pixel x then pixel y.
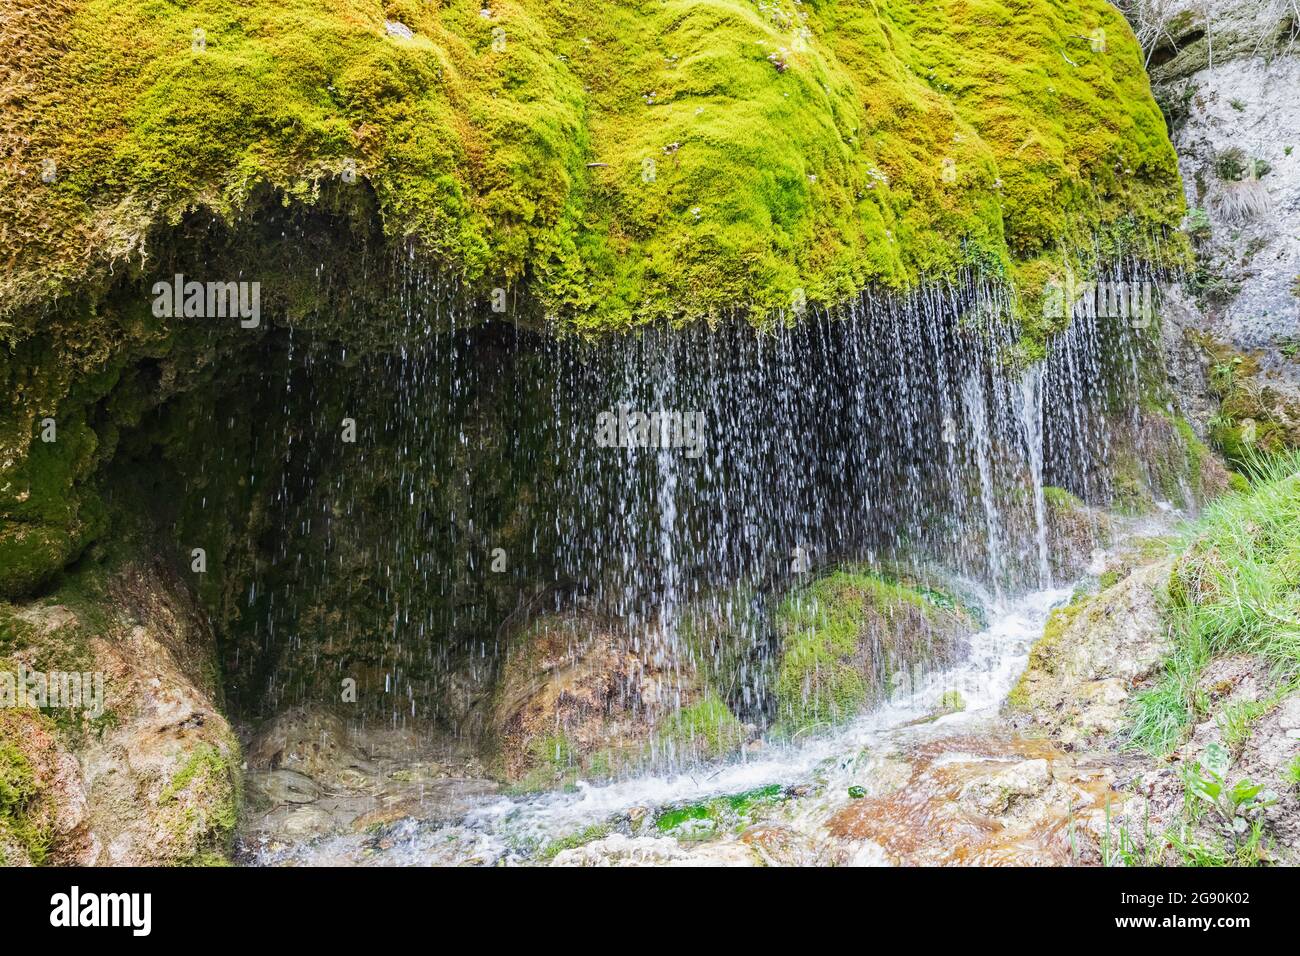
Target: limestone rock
{"type": "Point", "coordinates": [996, 794]}
{"type": "Point", "coordinates": [1093, 655]}
{"type": "Point", "coordinates": [578, 697]}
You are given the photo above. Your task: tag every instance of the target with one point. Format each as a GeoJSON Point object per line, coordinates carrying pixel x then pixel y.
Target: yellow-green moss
{"type": "Point", "coordinates": [1058, 499]}
{"type": "Point", "coordinates": [24, 822]}
{"type": "Point", "coordinates": [18, 791]}
{"type": "Point", "coordinates": [794, 146]}
{"type": "Point", "coordinates": [1254, 418]}
{"type": "Point", "coordinates": [846, 634]}
{"type": "Point", "coordinates": [200, 804]}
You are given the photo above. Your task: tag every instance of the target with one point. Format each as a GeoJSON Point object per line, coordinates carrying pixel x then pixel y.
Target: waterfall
{"type": "Point", "coordinates": [1029, 407]}
{"type": "Point", "coordinates": [480, 492]}
{"type": "Point", "coordinates": [976, 404]}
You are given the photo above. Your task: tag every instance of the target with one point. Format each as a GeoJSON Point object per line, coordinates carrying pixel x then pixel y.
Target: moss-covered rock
{"type": "Point", "coordinates": [1259, 415]}
{"type": "Point", "coordinates": [141, 768]}
{"type": "Point", "coordinates": [628, 161]}
{"type": "Point", "coordinates": [1074, 531]}
{"type": "Point", "coordinates": [25, 817]}
{"type": "Point", "coordinates": [1156, 456]}
{"type": "Point", "coordinates": [852, 637]}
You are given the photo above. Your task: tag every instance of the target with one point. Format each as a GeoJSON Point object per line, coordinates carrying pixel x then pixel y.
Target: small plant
{"type": "Point", "coordinates": [1238, 809]}
{"type": "Point", "coordinates": [1193, 853]}
{"type": "Point", "coordinates": [1197, 225]}
{"type": "Point", "coordinates": [1237, 104]}
{"type": "Point", "coordinates": [1233, 166]}
{"type": "Point", "coordinates": [1235, 721]}
{"type": "Point", "coordinates": [1292, 772]}
{"type": "Point", "coordinates": [1230, 165]}
{"type": "Point", "coordinates": [1125, 850]}
{"type": "Point", "coordinates": [1224, 376]}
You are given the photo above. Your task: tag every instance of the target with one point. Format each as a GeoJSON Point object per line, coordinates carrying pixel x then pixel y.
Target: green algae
{"type": "Point", "coordinates": [707, 818]}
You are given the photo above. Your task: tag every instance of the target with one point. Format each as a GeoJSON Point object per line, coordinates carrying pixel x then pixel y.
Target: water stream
{"type": "Point", "coordinates": [815, 775]}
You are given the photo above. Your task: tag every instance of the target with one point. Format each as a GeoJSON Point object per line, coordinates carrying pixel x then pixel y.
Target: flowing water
{"type": "Point", "coordinates": [498, 474]}
{"type": "Point", "coordinates": [814, 775]}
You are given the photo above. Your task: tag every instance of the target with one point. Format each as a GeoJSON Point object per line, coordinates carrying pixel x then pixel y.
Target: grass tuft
{"type": "Point", "coordinates": [1235, 590]}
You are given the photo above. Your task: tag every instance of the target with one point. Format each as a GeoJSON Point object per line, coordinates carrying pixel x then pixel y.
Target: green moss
{"type": "Point", "coordinates": [200, 804]}
{"type": "Point", "coordinates": [1042, 656]}
{"type": "Point", "coordinates": [555, 763]}
{"type": "Point", "coordinates": [1058, 499]}
{"type": "Point", "coordinates": [1130, 483]}
{"type": "Point", "coordinates": [833, 662]}
{"type": "Point", "coordinates": [597, 831]}
{"type": "Point", "coordinates": [1197, 451]}
{"type": "Point", "coordinates": [519, 166]}
{"type": "Point", "coordinates": [22, 823]}
{"type": "Point", "coordinates": [952, 701]}
{"type": "Point", "coordinates": [519, 145]}
{"type": "Point", "coordinates": [1254, 420]}
{"type": "Point", "coordinates": [1058, 622]}
{"type": "Point", "coordinates": [706, 729]}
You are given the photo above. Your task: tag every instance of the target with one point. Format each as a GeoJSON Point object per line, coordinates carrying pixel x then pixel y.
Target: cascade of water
{"type": "Point", "coordinates": [478, 493]}
{"type": "Point", "coordinates": [1029, 408]}
{"type": "Point", "coordinates": [975, 402]}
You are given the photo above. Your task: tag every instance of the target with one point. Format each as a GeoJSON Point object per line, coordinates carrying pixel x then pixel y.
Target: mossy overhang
{"type": "Point", "coordinates": [625, 162]}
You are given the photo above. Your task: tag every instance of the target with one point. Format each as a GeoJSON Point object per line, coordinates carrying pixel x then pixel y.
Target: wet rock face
{"type": "Point", "coordinates": [620, 850]}
{"type": "Point", "coordinates": [42, 797]}
{"type": "Point", "coordinates": [852, 638]}
{"type": "Point", "coordinates": [987, 800]}
{"type": "Point", "coordinates": [583, 696]}
{"type": "Point", "coordinates": [315, 772]}
{"type": "Point", "coordinates": [152, 777]}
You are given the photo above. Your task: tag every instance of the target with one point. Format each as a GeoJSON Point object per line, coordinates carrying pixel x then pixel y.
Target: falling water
{"type": "Point", "coordinates": [507, 830]}
{"type": "Point", "coordinates": [1029, 399]}
{"type": "Point", "coordinates": [477, 494]}
{"type": "Point", "coordinates": [477, 497]}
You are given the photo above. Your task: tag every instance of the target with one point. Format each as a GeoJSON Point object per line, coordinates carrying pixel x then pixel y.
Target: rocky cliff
{"type": "Point", "coordinates": [1225, 72]}
{"type": "Point", "coordinates": [395, 176]}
